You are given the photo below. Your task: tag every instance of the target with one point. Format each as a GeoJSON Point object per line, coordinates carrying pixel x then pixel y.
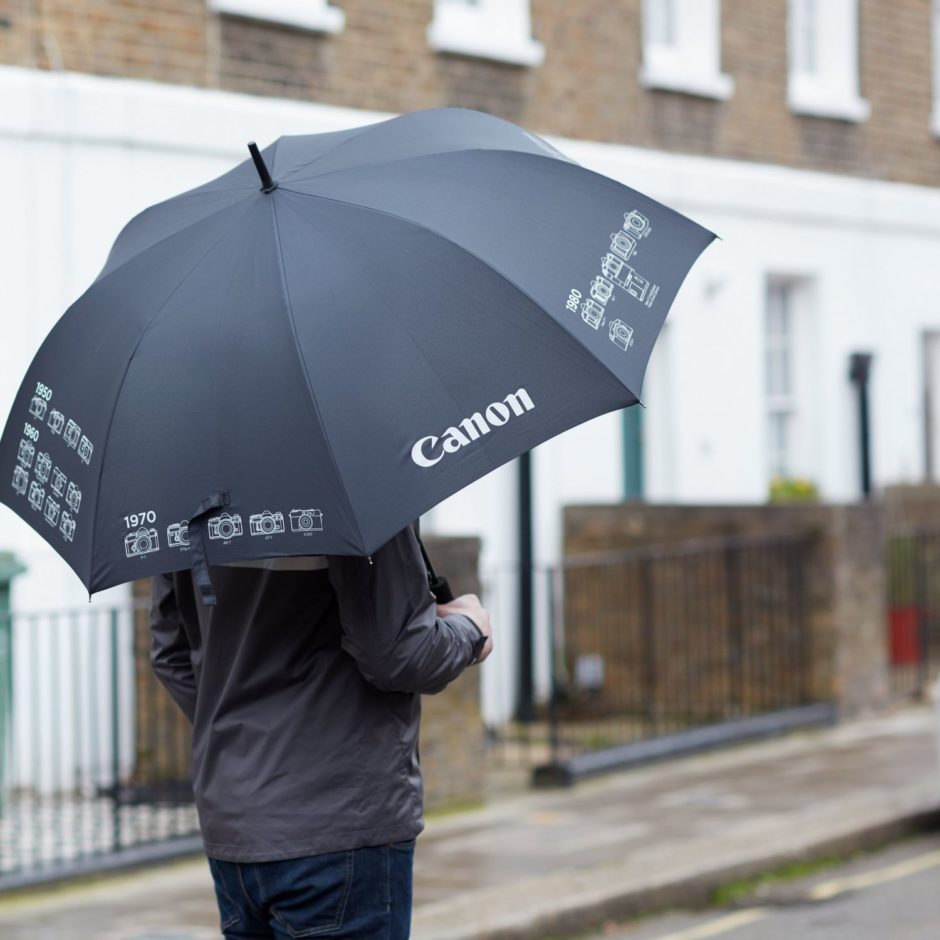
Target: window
{"type": "Point", "coordinates": [682, 48]}
{"type": "Point", "coordinates": [935, 29]}
{"type": "Point", "coordinates": [790, 370]}
{"type": "Point", "coordinates": [486, 29]}
{"type": "Point", "coordinates": [316, 15]}
{"type": "Point", "coordinates": [823, 44]}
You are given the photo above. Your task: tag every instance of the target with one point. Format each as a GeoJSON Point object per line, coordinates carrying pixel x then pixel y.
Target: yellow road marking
{"type": "Point", "coordinates": [910, 866]}
{"type": "Point", "coordinates": [715, 928]}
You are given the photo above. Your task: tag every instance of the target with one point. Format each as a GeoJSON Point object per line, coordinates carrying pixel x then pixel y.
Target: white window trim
{"type": "Point", "coordinates": [673, 69]}
{"type": "Point", "coordinates": [315, 15]}
{"type": "Point", "coordinates": [448, 33]}
{"type": "Point", "coordinates": [815, 95]}
{"type": "Point", "coordinates": [935, 48]}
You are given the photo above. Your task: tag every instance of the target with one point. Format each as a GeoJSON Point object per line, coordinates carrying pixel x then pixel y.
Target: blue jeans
{"type": "Point", "coordinates": [363, 894]}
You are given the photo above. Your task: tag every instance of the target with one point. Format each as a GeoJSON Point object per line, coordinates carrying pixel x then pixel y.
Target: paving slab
{"type": "Point", "coordinates": [545, 862]}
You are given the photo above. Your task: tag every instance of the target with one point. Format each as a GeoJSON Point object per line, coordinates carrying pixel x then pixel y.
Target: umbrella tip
{"type": "Point", "coordinates": [267, 184]}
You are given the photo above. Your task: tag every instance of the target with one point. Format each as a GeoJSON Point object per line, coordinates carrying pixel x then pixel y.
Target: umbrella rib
{"type": "Point", "coordinates": [483, 261]}
{"type": "Point", "coordinates": [303, 365]}
{"type": "Point", "coordinates": [127, 368]}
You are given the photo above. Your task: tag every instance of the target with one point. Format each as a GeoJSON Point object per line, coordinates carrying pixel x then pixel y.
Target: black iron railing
{"type": "Point", "coordinates": [913, 596]}
{"type": "Point", "coordinates": [94, 756]}
{"type": "Point", "coordinates": [659, 643]}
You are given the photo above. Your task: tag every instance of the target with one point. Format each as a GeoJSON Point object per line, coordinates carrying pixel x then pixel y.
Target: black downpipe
{"type": "Point", "coordinates": [525, 705]}
{"type": "Point", "coordinates": [859, 373]}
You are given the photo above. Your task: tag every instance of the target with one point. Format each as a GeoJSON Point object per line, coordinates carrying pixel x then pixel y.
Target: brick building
{"type": "Point", "coordinates": [588, 70]}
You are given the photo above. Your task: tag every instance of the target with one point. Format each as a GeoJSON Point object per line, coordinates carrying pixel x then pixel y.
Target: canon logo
{"type": "Point", "coordinates": [431, 449]}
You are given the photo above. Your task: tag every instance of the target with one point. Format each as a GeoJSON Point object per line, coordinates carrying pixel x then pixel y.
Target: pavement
{"type": "Point", "coordinates": [542, 864]}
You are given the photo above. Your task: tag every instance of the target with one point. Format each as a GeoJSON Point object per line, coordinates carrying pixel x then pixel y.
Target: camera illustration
{"type": "Point", "coordinates": [20, 480]}
{"type": "Point", "coordinates": [72, 433]}
{"type": "Point", "coordinates": [74, 497]}
{"type": "Point", "coordinates": [636, 223]}
{"type": "Point", "coordinates": [37, 407]}
{"type": "Point", "coordinates": [85, 448]}
{"type": "Point", "coordinates": [225, 526]}
{"type": "Point", "coordinates": [621, 334]}
{"type": "Point", "coordinates": [26, 453]}
{"type": "Point", "coordinates": [56, 421]}
{"type": "Point", "coordinates": [59, 480]}
{"type": "Point", "coordinates": [266, 523]}
{"type": "Point", "coordinates": [622, 245]}
{"type": "Point", "coordinates": [592, 313]}
{"type": "Point", "coordinates": [37, 496]}
{"type": "Point", "coordinates": [177, 535]}
{"type": "Point", "coordinates": [67, 527]}
{"type": "Point", "coordinates": [43, 467]}
{"type": "Point", "coordinates": [601, 289]}
{"type": "Point", "coordinates": [142, 542]}
{"type": "Point", "coordinates": [52, 511]}
{"type": "Point", "coordinates": [306, 520]}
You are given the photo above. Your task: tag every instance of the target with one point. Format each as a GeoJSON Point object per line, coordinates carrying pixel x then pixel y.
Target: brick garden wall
{"type": "Point", "coordinates": [587, 87]}
{"type": "Point", "coordinates": [844, 585]}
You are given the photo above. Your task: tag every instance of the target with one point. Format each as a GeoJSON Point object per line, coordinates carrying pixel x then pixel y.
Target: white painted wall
{"type": "Point", "coordinates": [79, 155]}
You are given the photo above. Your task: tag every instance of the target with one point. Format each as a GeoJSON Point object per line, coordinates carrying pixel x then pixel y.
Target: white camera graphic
{"type": "Point", "coordinates": [59, 480]}
{"type": "Point", "coordinates": [52, 511]}
{"type": "Point", "coordinates": [637, 223]}
{"type": "Point", "coordinates": [592, 313]}
{"type": "Point", "coordinates": [37, 407]}
{"type": "Point", "coordinates": [622, 245]}
{"type": "Point", "coordinates": [26, 453]}
{"type": "Point", "coordinates": [85, 448]}
{"type": "Point", "coordinates": [621, 334]}
{"type": "Point", "coordinates": [20, 480]}
{"type": "Point", "coordinates": [142, 542]}
{"type": "Point", "coordinates": [43, 467]}
{"type": "Point", "coordinates": [67, 527]}
{"type": "Point", "coordinates": [306, 520]}
{"type": "Point", "coordinates": [37, 496]}
{"type": "Point", "coordinates": [225, 527]}
{"type": "Point", "coordinates": [601, 289]}
{"type": "Point", "coordinates": [56, 421]}
{"type": "Point", "coordinates": [72, 433]}
{"type": "Point", "coordinates": [266, 523]}
{"type": "Point", "coordinates": [74, 497]}
{"type": "Point", "coordinates": [177, 535]}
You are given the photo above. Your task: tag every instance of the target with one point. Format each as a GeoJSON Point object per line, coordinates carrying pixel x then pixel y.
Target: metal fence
{"type": "Point", "coordinates": [913, 590]}
{"type": "Point", "coordinates": [652, 644]}
{"type": "Point", "coordinates": [95, 757]}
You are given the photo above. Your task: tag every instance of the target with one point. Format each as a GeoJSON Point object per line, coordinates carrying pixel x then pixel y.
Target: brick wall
{"type": "Point", "coordinates": [844, 573]}
{"type": "Point", "coordinates": [587, 87]}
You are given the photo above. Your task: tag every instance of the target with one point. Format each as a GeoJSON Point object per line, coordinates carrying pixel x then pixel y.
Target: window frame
{"type": "Point", "coordinates": [317, 16]}
{"type": "Point", "coordinates": [498, 30]}
{"type": "Point", "coordinates": [692, 63]}
{"type": "Point", "coordinates": [831, 92]}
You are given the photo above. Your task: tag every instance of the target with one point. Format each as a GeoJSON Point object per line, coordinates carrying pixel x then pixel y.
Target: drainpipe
{"type": "Point", "coordinates": [859, 374]}
{"type": "Point", "coordinates": [525, 705]}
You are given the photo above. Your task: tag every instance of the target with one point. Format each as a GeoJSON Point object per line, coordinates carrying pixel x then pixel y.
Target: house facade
{"type": "Point", "coordinates": [796, 130]}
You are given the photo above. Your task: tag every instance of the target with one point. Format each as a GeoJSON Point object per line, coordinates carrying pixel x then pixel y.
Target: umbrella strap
{"type": "Point", "coordinates": [439, 586]}
{"type": "Point", "coordinates": [197, 542]}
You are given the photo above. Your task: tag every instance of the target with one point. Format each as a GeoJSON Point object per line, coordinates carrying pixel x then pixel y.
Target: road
{"type": "Point", "coordinates": [893, 894]}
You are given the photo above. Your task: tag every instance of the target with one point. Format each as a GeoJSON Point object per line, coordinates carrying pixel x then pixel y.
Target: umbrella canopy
{"type": "Point", "coordinates": [306, 353]}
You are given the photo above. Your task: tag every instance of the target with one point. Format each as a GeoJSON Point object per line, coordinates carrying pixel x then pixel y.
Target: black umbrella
{"type": "Point", "coordinates": [304, 366]}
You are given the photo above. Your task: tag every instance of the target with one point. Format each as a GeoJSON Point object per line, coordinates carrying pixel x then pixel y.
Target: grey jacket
{"type": "Point", "coordinates": [303, 690]}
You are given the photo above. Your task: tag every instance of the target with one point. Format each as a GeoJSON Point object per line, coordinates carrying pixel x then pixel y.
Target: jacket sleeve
{"type": "Point", "coordinates": [390, 624]}
{"type": "Point", "coordinates": [169, 646]}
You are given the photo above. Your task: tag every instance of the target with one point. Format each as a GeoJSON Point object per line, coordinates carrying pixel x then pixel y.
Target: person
{"type": "Point", "coordinates": [303, 687]}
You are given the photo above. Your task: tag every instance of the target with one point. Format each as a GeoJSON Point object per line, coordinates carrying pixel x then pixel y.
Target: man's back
{"type": "Point", "coordinates": [302, 689]}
